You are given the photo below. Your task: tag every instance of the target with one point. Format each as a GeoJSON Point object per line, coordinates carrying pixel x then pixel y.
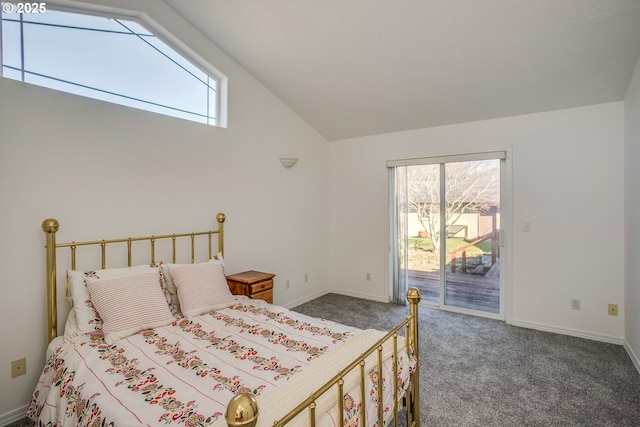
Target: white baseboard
{"type": "Point", "coordinates": [632, 355]}
{"type": "Point", "coordinates": [14, 415]}
{"type": "Point", "coordinates": [568, 331]}
{"type": "Point", "coordinates": [358, 295]}
{"type": "Point", "coordinates": [305, 299]}
{"type": "Point", "coordinates": [334, 291]}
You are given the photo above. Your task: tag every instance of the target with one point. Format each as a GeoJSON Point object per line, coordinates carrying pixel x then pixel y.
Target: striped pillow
{"type": "Point", "coordinates": [129, 304]}
{"type": "Point", "coordinates": [170, 287]}
{"type": "Point", "coordinates": [87, 317]}
{"type": "Point", "coordinates": [201, 288]}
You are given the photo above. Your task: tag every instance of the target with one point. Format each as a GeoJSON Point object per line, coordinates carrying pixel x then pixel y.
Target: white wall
{"type": "Point", "coordinates": [109, 171]}
{"type": "Point", "coordinates": [564, 162]}
{"type": "Point", "coordinates": [632, 214]}
{"type": "Point", "coordinates": [102, 168]}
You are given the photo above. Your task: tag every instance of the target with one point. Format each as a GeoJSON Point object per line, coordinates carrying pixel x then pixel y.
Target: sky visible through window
{"type": "Point", "coordinates": [113, 60]}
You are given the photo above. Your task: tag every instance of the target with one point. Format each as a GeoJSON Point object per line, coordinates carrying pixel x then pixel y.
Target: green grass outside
{"type": "Point", "coordinates": [485, 246]}
{"type": "Point", "coordinates": [452, 244]}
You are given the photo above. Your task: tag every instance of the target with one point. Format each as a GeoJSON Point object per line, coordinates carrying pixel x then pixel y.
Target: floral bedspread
{"type": "Point", "coordinates": [184, 373]}
{"type": "Point", "coordinates": [274, 403]}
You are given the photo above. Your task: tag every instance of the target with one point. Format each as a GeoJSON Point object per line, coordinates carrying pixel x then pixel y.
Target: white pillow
{"type": "Point", "coordinates": [129, 304]}
{"type": "Point", "coordinates": [86, 316]}
{"type": "Point", "coordinates": [71, 325]}
{"type": "Point", "coordinates": [170, 287]}
{"type": "Point", "coordinates": [201, 287]}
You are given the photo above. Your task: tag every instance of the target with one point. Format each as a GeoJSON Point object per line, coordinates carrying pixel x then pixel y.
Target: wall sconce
{"type": "Point", "coordinates": [288, 162]}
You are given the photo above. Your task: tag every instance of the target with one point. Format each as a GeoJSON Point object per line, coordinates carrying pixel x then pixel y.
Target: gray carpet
{"type": "Point", "coordinates": [482, 372]}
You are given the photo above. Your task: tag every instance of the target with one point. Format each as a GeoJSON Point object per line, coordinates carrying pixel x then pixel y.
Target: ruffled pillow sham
{"type": "Point", "coordinates": [87, 318]}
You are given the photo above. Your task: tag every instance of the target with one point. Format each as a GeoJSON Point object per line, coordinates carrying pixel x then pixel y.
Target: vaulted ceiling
{"type": "Point", "coordinates": [360, 67]}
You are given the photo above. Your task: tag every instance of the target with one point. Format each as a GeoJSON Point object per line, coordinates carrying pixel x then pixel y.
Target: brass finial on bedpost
{"type": "Point", "coordinates": [414, 296]}
{"type": "Point", "coordinates": [220, 218]}
{"type": "Point", "coordinates": [242, 411]}
{"type": "Point", "coordinates": [50, 227]}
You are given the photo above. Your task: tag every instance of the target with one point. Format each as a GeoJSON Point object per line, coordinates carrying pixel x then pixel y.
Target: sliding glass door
{"type": "Point", "coordinates": [446, 223]}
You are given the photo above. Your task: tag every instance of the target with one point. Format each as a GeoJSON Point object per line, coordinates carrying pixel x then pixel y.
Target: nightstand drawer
{"type": "Point", "coordinates": [262, 286]}
{"type": "Point", "coordinates": [264, 295]}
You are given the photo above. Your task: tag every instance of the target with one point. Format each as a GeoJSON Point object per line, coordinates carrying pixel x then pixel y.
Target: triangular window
{"type": "Point", "coordinates": [108, 58]}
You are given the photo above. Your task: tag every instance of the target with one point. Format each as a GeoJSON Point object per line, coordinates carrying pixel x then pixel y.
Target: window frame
{"type": "Point", "coordinates": [163, 35]}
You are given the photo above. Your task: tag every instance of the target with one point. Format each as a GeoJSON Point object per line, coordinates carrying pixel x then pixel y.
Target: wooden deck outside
{"type": "Point", "coordinates": [464, 290]}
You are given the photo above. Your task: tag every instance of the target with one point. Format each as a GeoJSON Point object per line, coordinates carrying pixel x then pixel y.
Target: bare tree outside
{"type": "Point", "coordinates": [469, 188]}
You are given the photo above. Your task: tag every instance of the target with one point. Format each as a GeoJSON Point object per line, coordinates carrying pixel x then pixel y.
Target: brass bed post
{"type": "Point", "coordinates": [414, 296]}
{"type": "Point", "coordinates": [173, 248]}
{"type": "Point", "coordinates": [220, 218]}
{"type": "Point", "coordinates": [50, 227]}
{"type": "Point", "coordinates": [193, 248]}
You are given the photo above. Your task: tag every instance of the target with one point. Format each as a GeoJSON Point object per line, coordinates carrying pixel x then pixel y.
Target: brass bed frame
{"type": "Point", "coordinates": [242, 410]}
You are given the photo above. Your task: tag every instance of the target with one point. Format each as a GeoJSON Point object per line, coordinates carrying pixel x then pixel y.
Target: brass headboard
{"type": "Point", "coordinates": [50, 227]}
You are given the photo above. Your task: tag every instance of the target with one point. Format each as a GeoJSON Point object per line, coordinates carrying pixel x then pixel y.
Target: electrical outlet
{"type": "Point", "coordinates": [368, 276]}
{"type": "Point", "coordinates": [613, 309]}
{"type": "Point", "coordinates": [287, 284]}
{"type": "Point", "coordinates": [575, 304]}
{"type": "Point", "coordinates": [18, 367]}
{"type": "Point", "coordinates": [306, 278]}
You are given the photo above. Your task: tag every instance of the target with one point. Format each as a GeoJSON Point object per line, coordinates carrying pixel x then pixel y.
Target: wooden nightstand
{"type": "Point", "coordinates": [254, 284]}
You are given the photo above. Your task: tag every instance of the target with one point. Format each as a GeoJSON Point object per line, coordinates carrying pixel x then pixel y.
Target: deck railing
{"type": "Point", "coordinates": [453, 255]}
